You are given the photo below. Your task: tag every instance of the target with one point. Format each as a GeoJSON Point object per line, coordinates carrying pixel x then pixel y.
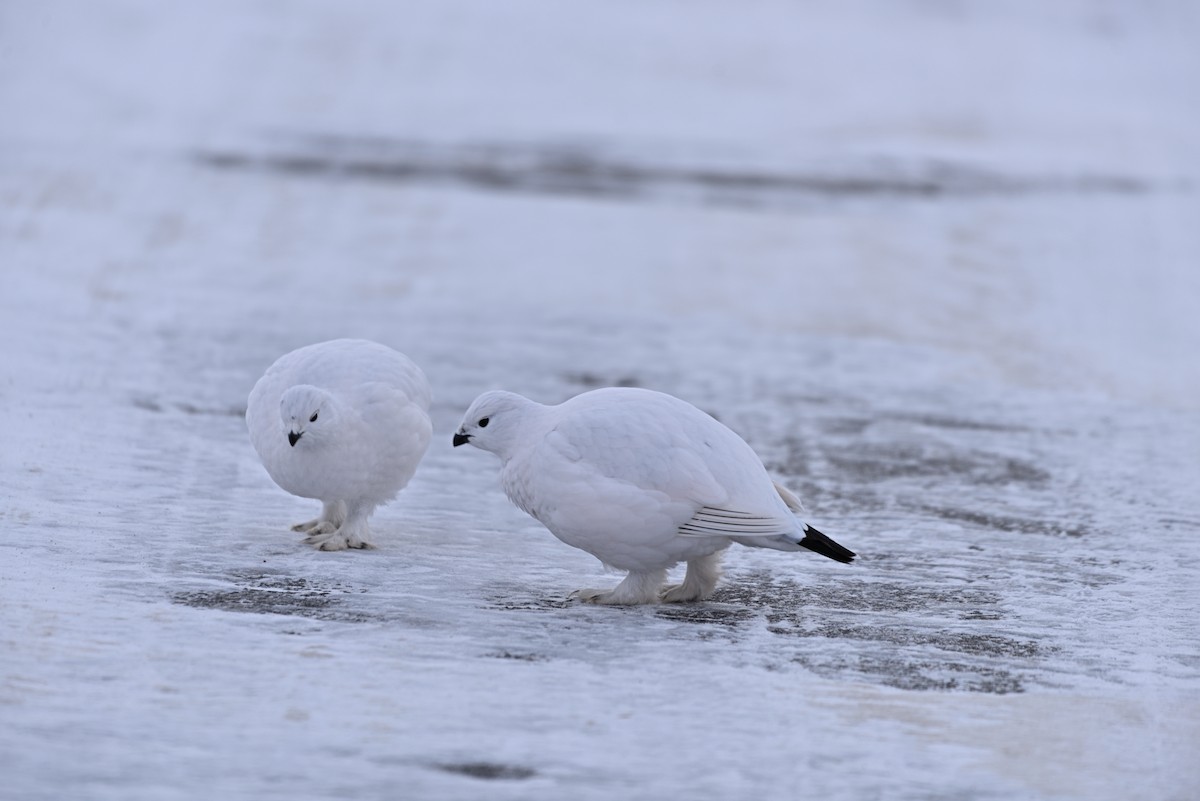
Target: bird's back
{"type": "Point", "coordinates": [342, 365]}
{"type": "Point", "coordinates": [662, 444]}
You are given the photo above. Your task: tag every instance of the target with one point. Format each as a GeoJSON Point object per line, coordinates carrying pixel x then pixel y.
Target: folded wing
{"type": "Point", "coordinates": [710, 521]}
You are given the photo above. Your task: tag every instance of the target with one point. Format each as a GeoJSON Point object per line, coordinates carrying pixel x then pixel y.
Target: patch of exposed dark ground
{"type": "Point", "coordinates": [275, 594]}
{"type": "Point", "coordinates": [854, 459]}
{"type": "Point", "coordinates": [590, 171]}
{"type": "Point", "coordinates": [871, 462]}
{"type": "Point", "coordinates": [151, 405]}
{"type": "Point", "coordinates": [487, 770]}
{"type": "Point", "coordinates": [1003, 523]}
{"type": "Point", "coordinates": [510, 603]}
{"type": "Point", "coordinates": [916, 674]}
{"type": "Point", "coordinates": [711, 613]}
{"type": "Point", "coordinates": [590, 380]}
{"type": "Point", "coordinates": [518, 656]}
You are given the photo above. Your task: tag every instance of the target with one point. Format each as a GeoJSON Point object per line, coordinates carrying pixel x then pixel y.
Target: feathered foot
{"type": "Point", "coordinates": [699, 583]}
{"type": "Point", "coordinates": [320, 533]}
{"type": "Point", "coordinates": [353, 533]}
{"type": "Point", "coordinates": [637, 588]}
{"type": "Point", "coordinates": [333, 513]}
{"type": "Point", "coordinates": [338, 541]}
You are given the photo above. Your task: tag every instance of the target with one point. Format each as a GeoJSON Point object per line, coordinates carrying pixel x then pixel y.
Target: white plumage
{"type": "Point", "coordinates": [643, 481]}
{"type": "Point", "coordinates": [345, 422]}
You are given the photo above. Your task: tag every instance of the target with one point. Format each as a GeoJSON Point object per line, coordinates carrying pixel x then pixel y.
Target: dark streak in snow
{"type": "Point", "coordinates": [585, 171]}
{"type": "Point", "coordinates": [488, 770]}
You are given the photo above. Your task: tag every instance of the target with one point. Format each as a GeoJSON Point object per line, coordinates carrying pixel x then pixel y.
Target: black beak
{"type": "Point", "coordinates": [461, 439]}
{"type": "Point", "coordinates": [293, 437]}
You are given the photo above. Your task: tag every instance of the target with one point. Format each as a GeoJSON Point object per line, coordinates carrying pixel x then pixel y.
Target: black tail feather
{"type": "Point", "coordinates": [818, 542]}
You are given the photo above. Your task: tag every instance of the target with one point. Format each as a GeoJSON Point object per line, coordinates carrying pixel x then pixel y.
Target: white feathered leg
{"type": "Point", "coordinates": [332, 515]}
{"type": "Point", "coordinates": [701, 579]}
{"type": "Point", "coordinates": [354, 532]}
{"type": "Point", "coordinates": [637, 588]}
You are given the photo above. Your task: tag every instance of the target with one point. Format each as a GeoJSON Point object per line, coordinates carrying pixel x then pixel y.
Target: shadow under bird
{"type": "Point", "coordinates": [345, 422]}
{"type": "Point", "coordinates": [641, 480]}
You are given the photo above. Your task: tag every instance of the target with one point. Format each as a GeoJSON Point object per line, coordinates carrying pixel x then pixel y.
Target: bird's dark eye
{"type": "Point", "coordinates": [313, 419]}
{"type": "Point", "coordinates": [483, 421]}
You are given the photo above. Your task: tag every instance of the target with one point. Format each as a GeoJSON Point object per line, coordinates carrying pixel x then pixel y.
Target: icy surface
{"type": "Point", "coordinates": [937, 262]}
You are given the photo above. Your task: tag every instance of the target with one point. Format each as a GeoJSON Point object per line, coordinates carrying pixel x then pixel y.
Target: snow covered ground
{"type": "Point", "coordinates": [937, 261]}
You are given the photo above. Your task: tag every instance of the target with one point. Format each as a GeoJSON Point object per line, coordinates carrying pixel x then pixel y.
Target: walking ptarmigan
{"type": "Point", "coordinates": [641, 480]}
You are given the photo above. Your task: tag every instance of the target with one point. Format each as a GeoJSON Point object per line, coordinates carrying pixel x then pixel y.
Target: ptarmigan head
{"type": "Point", "coordinates": [493, 421]}
{"type": "Point", "coordinates": [307, 412]}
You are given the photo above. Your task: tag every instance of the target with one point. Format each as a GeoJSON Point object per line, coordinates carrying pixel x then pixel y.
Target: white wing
{"type": "Point", "coordinates": [667, 452]}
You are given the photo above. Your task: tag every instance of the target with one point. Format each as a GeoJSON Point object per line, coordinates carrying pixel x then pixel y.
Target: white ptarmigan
{"type": "Point", "coordinates": [642, 480]}
{"type": "Point", "coordinates": [345, 422]}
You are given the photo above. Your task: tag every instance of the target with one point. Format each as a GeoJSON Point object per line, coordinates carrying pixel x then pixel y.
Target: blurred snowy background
{"type": "Point", "coordinates": [938, 261]}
